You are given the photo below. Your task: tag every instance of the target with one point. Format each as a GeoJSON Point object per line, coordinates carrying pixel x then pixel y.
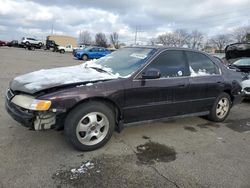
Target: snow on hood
{"type": "Point", "coordinates": [48, 78]}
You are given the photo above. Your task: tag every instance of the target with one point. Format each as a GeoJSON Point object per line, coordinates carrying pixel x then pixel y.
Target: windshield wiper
{"type": "Point", "coordinates": [99, 69]}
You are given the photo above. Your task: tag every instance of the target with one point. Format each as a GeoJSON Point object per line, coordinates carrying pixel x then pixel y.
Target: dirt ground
{"type": "Point", "coordinates": [189, 152]}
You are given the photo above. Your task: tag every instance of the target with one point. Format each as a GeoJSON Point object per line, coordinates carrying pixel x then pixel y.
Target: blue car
{"type": "Point", "coordinates": [91, 53]}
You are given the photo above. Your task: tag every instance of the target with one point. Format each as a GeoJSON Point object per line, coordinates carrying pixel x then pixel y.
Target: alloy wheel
{"type": "Point", "coordinates": [222, 108]}
{"type": "Point", "coordinates": [92, 128]}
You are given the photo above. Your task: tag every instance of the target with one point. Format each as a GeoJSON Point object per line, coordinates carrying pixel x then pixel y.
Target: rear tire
{"type": "Point", "coordinates": [89, 126]}
{"type": "Point", "coordinates": [85, 57]}
{"type": "Point", "coordinates": [62, 51]}
{"type": "Point", "coordinates": [221, 108]}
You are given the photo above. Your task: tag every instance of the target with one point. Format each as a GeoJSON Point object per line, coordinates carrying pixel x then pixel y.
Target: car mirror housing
{"type": "Point", "coordinates": [151, 73]}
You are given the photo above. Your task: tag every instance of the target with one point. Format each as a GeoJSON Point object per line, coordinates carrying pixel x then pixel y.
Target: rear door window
{"type": "Point", "coordinates": [201, 65]}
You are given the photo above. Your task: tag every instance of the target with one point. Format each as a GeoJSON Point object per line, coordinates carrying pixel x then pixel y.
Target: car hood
{"type": "Point", "coordinates": [237, 50]}
{"type": "Point", "coordinates": [49, 78]}
{"type": "Point", "coordinates": [242, 68]}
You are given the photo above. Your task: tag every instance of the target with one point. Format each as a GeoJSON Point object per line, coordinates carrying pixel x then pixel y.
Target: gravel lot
{"type": "Point", "coordinates": [189, 152]}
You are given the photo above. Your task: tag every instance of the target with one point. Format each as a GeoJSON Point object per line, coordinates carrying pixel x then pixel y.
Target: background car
{"type": "Point", "coordinates": [63, 49]}
{"type": "Point", "coordinates": [78, 48]}
{"type": "Point", "coordinates": [238, 54]}
{"type": "Point", "coordinates": [51, 44]}
{"type": "Point", "coordinates": [3, 43]}
{"type": "Point", "coordinates": [13, 43]}
{"type": "Point", "coordinates": [30, 41]}
{"type": "Point", "coordinates": [92, 53]}
{"type": "Point", "coordinates": [243, 65]}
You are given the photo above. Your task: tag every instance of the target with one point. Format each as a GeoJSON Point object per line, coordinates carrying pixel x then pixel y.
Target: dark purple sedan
{"type": "Point", "coordinates": [131, 85]}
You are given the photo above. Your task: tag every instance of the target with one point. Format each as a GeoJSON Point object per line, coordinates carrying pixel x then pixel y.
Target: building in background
{"type": "Point", "coordinates": [63, 40]}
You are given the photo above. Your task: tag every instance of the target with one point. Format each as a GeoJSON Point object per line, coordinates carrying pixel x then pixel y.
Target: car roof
{"type": "Point", "coordinates": [162, 48]}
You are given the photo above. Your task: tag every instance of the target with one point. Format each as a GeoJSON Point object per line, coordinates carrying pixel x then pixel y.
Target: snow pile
{"type": "Point", "coordinates": [76, 172]}
{"type": "Point", "coordinates": [201, 72]}
{"type": "Point", "coordinates": [65, 75]}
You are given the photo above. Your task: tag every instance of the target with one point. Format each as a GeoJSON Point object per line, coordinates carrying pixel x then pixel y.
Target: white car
{"type": "Point", "coordinates": [28, 41]}
{"type": "Point", "coordinates": [246, 87]}
{"type": "Point", "coordinates": [68, 48]}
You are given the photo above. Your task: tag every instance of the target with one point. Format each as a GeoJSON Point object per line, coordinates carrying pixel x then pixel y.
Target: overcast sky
{"type": "Point", "coordinates": [152, 17]}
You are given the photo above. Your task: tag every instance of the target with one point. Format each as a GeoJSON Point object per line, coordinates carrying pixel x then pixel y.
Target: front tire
{"type": "Point", "coordinates": [89, 126]}
{"type": "Point", "coordinates": [62, 51]}
{"type": "Point", "coordinates": [221, 108]}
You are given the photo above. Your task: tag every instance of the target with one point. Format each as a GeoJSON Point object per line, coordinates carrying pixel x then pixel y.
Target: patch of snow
{"type": "Point", "coordinates": [139, 56]}
{"type": "Point", "coordinates": [43, 79]}
{"type": "Point", "coordinates": [76, 172]}
{"type": "Point", "coordinates": [89, 84]}
{"type": "Point", "coordinates": [201, 72]}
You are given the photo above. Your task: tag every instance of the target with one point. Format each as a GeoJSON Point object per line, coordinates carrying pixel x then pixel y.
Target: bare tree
{"type": "Point", "coordinates": [220, 41]}
{"type": "Point", "coordinates": [101, 40]}
{"type": "Point", "coordinates": [180, 38]}
{"type": "Point", "coordinates": [165, 39]}
{"type": "Point", "coordinates": [85, 38]}
{"type": "Point", "coordinates": [195, 40]}
{"type": "Point", "coordinates": [114, 40]}
{"type": "Point", "coordinates": [152, 41]}
{"type": "Point", "coordinates": [240, 33]}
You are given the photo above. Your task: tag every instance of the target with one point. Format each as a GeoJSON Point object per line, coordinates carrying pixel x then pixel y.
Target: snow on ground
{"type": "Point", "coordinates": [76, 172]}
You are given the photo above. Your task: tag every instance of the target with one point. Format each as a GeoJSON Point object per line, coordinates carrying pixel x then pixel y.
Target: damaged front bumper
{"type": "Point", "coordinates": [28, 118]}
{"type": "Point", "coordinates": [22, 116]}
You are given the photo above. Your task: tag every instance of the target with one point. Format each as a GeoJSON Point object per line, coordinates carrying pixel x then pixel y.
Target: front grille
{"type": "Point", "coordinates": [9, 94]}
{"type": "Point", "coordinates": [247, 89]}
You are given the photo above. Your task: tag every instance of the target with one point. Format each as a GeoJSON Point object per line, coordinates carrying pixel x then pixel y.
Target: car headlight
{"type": "Point", "coordinates": [30, 103]}
{"type": "Point", "coordinates": [40, 105]}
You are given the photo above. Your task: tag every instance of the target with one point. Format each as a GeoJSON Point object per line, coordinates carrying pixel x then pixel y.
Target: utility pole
{"type": "Point", "coordinates": [52, 29]}
{"type": "Point", "coordinates": [135, 34]}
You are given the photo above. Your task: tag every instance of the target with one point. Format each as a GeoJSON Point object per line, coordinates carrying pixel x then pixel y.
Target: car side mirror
{"type": "Point", "coordinates": [151, 73]}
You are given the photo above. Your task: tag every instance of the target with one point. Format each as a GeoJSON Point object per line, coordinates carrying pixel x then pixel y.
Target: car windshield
{"type": "Point", "coordinates": [88, 48]}
{"type": "Point", "coordinates": [125, 61]}
{"type": "Point", "coordinates": [242, 62]}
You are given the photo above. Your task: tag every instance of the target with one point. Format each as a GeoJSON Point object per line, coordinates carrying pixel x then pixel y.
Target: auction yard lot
{"type": "Point", "coordinates": [189, 152]}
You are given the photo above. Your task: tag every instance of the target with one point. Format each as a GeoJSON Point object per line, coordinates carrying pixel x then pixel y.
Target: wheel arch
{"type": "Point", "coordinates": [229, 92]}
{"type": "Point", "coordinates": [84, 55]}
{"type": "Point", "coordinates": [109, 102]}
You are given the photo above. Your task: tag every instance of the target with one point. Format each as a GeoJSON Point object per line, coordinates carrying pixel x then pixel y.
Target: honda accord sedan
{"type": "Point", "coordinates": [132, 85]}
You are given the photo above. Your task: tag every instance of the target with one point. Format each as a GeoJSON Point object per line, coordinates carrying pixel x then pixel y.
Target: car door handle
{"type": "Point", "coordinates": [181, 85]}
{"type": "Point", "coordinates": [221, 84]}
